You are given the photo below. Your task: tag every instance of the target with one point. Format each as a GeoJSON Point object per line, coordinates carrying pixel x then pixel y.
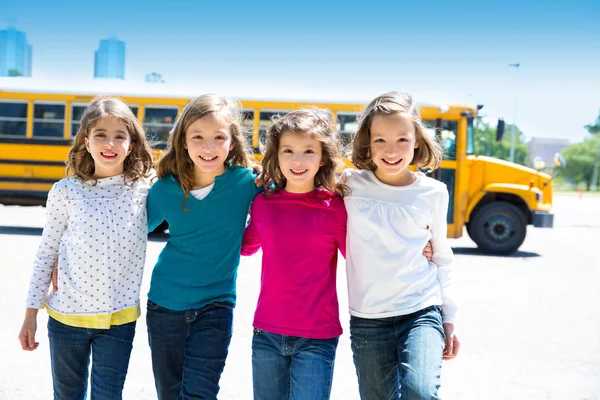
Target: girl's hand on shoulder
{"type": "Point", "coordinates": [27, 334]}
{"type": "Point", "coordinates": [428, 251]}
{"type": "Point", "coordinates": [451, 343]}
{"type": "Point", "coordinates": [258, 181]}
{"type": "Point", "coordinates": [262, 179]}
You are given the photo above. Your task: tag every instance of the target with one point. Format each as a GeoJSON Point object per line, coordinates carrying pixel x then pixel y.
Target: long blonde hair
{"type": "Point", "coordinates": [176, 160]}
{"type": "Point", "coordinates": [139, 161]}
{"type": "Point", "coordinates": [313, 121]}
{"type": "Point", "coordinates": [427, 155]}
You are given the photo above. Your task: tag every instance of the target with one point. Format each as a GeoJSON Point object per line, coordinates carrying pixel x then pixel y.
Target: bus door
{"type": "Point", "coordinates": [446, 133]}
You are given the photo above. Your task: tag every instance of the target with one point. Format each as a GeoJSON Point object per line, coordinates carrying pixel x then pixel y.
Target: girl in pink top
{"type": "Point", "coordinates": [300, 223]}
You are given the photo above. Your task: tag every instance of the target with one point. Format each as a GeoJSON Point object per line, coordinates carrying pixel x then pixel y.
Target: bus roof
{"type": "Point", "coordinates": [234, 89]}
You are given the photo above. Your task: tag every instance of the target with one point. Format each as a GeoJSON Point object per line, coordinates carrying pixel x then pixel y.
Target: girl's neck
{"type": "Point", "coordinates": [299, 189]}
{"type": "Point", "coordinates": [404, 178]}
{"type": "Point", "coordinates": [101, 174]}
{"type": "Point", "coordinates": [203, 179]}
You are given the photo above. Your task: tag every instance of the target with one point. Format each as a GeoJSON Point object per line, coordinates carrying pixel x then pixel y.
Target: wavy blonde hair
{"type": "Point", "coordinates": [176, 160]}
{"type": "Point", "coordinates": [314, 121]}
{"type": "Point", "coordinates": [428, 154]}
{"type": "Point", "coordinates": [139, 161]}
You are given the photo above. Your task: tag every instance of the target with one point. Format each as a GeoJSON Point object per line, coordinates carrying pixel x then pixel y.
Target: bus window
{"type": "Point", "coordinates": [445, 132]}
{"type": "Point", "coordinates": [158, 121]}
{"type": "Point", "coordinates": [248, 126]}
{"type": "Point", "coordinates": [470, 137]}
{"type": "Point", "coordinates": [346, 127]}
{"type": "Point", "coordinates": [134, 110]}
{"type": "Point", "coordinates": [449, 130]}
{"type": "Point", "coordinates": [49, 120]}
{"type": "Point", "coordinates": [76, 114]}
{"type": "Point", "coordinates": [266, 120]}
{"type": "Point", "coordinates": [13, 118]}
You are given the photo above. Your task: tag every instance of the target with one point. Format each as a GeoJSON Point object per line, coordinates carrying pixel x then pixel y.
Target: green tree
{"type": "Point", "coordinates": [486, 145]}
{"type": "Point", "coordinates": [580, 158]}
{"type": "Point", "coordinates": [14, 72]}
{"type": "Point", "coordinates": [594, 129]}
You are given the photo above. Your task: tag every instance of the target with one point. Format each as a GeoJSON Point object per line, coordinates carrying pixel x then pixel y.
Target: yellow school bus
{"type": "Point", "coordinates": [494, 199]}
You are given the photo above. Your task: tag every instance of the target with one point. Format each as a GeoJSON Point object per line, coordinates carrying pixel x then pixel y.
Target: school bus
{"type": "Point", "coordinates": [495, 200]}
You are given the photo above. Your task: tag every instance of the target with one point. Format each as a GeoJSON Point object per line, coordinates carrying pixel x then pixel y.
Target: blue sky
{"type": "Point", "coordinates": [441, 51]}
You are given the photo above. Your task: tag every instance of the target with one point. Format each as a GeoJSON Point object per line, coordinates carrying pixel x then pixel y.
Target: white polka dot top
{"type": "Point", "coordinates": [99, 234]}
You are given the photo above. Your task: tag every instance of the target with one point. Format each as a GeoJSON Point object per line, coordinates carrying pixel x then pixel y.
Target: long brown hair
{"type": "Point", "coordinates": [139, 161]}
{"type": "Point", "coordinates": [176, 160]}
{"type": "Point", "coordinates": [318, 123]}
{"type": "Point", "coordinates": [427, 155]}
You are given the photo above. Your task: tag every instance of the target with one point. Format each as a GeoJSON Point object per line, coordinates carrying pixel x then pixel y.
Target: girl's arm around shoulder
{"type": "Point", "coordinates": [57, 216]}
{"type": "Point", "coordinates": [251, 240]}
{"type": "Point", "coordinates": [341, 222]}
{"type": "Point", "coordinates": [158, 195]}
{"type": "Point", "coordinates": [252, 176]}
{"type": "Point", "coordinates": [442, 255]}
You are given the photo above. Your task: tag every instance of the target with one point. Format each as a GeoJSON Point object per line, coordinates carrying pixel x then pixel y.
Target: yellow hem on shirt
{"type": "Point", "coordinates": [99, 321]}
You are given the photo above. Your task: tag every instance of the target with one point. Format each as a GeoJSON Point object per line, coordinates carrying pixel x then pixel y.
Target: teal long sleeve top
{"type": "Point", "coordinates": [198, 265]}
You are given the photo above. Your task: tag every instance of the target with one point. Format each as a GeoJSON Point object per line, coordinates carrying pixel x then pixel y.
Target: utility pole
{"type": "Point", "coordinates": [512, 136]}
{"type": "Point", "coordinates": [594, 185]}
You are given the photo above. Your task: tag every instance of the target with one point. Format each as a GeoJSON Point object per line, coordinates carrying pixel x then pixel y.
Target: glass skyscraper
{"type": "Point", "coordinates": [109, 60]}
{"type": "Point", "coordinates": [15, 53]}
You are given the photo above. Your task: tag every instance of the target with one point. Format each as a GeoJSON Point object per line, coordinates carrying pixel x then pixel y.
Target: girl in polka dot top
{"type": "Point", "coordinates": [95, 229]}
{"type": "Point", "coordinates": [204, 192]}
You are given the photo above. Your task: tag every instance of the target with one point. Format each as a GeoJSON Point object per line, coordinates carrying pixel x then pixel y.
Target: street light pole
{"type": "Point", "coordinates": [512, 136]}
{"type": "Point", "coordinates": [594, 185]}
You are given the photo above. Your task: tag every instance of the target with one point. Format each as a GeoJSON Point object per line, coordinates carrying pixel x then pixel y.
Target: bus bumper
{"type": "Point", "coordinates": [542, 219]}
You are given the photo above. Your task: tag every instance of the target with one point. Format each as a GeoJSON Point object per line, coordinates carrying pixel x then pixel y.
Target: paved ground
{"type": "Point", "coordinates": [529, 326]}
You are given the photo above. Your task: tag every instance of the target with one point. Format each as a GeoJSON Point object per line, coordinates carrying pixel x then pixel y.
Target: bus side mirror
{"type": "Point", "coordinates": [500, 130]}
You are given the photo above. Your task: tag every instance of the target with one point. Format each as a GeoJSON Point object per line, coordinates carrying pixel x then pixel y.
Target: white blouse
{"type": "Point", "coordinates": [99, 234]}
{"type": "Point", "coordinates": [388, 227]}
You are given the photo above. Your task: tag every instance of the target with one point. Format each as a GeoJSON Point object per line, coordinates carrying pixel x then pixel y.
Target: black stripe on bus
{"type": "Point", "coordinates": [47, 142]}
{"type": "Point", "coordinates": [23, 194]}
{"type": "Point", "coordinates": [34, 162]}
{"type": "Point", "coordinates": [26, 180]}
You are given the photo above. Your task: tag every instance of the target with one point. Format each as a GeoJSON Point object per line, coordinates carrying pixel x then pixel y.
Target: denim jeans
{"type": "Point", "coordinates": [291, 368]}
{"type": "Point", "coordinates": [398, 357]}
{"type": "Point", "coordinates": [70, 349]}
{"type": "Point", "coordinates": [189, 349]}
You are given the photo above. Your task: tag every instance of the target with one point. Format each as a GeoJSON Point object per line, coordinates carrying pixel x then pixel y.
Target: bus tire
{"type": "Point", "coordinates": [498, 227]}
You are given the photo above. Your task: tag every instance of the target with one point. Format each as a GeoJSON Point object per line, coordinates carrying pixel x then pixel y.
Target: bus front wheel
{"type": "Point", "coordinates": [498, 227]}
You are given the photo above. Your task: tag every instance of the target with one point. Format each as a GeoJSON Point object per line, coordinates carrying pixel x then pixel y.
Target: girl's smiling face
{"type": "Point", "coordinates": [300, 157]}
{"type": "Point", "coordinates": [393, 143]}
{"type": "Point", "coordinates": [109, 143]}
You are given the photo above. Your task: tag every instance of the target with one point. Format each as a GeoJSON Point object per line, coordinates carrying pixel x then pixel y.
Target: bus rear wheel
{"type": "Point", "coordinates": [498, 227]}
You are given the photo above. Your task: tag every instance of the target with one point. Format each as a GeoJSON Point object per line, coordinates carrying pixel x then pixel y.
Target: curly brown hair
{"type": "Point", "coordinates": [137, 164]}
{"type": "Point", "coordinates": [314, 121]}
{"type": "Point", "coordinates": [176, 160]}
{"type": "Point", "coordinates": [428, 154]}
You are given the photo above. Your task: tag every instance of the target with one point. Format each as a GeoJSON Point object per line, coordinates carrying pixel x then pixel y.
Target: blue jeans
{"type": "Point", "coordinates": [398, 357]}
{"type": "Point", "coordinates": [290, 367]}
{"type": "Point", "coordinates": [70, 349]}
{"type": "Point", "coordinates": [189, 349]}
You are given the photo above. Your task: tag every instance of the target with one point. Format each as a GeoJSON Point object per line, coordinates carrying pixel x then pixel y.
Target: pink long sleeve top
{"type": "Point", "coordinates": [300, 235]}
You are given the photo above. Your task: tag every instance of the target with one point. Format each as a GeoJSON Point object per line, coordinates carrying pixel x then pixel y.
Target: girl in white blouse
{"type": "Point", "coordinates": [402, 306]}
{"type": "Point", "coordinates": [96, 228]}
